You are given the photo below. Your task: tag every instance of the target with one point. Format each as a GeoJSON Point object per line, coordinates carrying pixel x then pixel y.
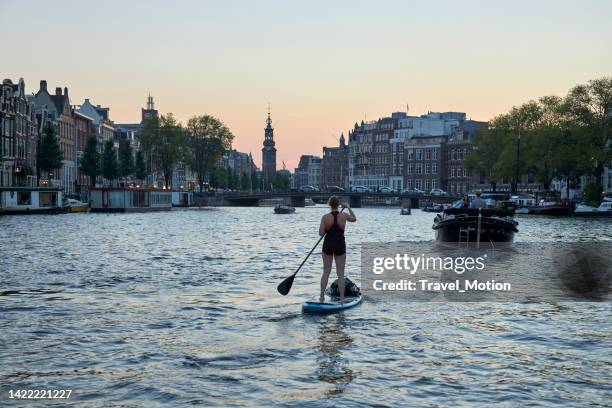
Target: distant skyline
{"type": "Point", "coordinates": [322, 66]}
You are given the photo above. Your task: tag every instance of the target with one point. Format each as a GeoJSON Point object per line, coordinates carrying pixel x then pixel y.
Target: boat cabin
{"type": "Point", "coordinates": [129, 199]}
{"type": "Point", "coordinates": [30, 200]}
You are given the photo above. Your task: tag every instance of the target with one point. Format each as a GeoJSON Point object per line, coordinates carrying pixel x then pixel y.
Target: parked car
{"type": "Point", "coordinates": [438, 192]}
{"type": "Point", "coordinates": [385, 189]}
{"type": "Point", "coordinates": [412, 191]}
{"type": "Point", "coordinates": [308, 189]}
{"type": "Point", "coordinates": [335, 189]}
{"type": "Point", "coordinates": [360, 189]}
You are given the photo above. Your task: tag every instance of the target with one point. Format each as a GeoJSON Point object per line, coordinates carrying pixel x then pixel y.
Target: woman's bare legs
{"type": "Point", "coordinates": [327, 267]}
{"type": "Point", "coordinates": [340, 262]}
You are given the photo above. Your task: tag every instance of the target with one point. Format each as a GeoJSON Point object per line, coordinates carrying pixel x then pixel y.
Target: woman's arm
{"type": "Point", "coordinates": [322, 227]}
{"type": "Point", "coordinates": [351, 217]}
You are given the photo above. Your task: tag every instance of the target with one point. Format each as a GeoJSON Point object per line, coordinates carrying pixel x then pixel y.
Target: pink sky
{"type": "Point", "coordinates": [322, 66]}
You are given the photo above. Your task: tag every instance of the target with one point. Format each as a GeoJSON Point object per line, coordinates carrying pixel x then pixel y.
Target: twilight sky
{"type": "Point", "coordinates": [322, 65]}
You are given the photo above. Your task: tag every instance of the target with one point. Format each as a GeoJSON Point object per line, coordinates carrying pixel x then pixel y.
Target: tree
{"type": "Point", "coordinates": [90, 161]}
{"type": "Point", "coordinates": [140, 169]}
{"type": "Point", "coordinates": [589, 108]}
{"type": "Point", "coordinates": [255, 181]}
{"type": "Point", "coordinates": [126, 161]}
{"type": "Point", "coordinates": [162, 142]}
{"type": "Point", "coordinates": [110, 168]}
{"type": "Point", "coordinates": [49, 152]}
{"type": "Point", "coordinates": [245, 182]}
{"type": "Point", "coordinates": [169, 146]}
{"type": "Point", "coordinates": [207, 139]}
{"type": "Point", "coordinates": [281, 180]}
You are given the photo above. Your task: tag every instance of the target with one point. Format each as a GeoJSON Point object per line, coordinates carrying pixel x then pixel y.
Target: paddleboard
{"type": "Point", "coordinates": [332, 304]}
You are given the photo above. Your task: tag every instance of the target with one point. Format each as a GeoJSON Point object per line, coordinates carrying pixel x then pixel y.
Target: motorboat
{"type": "Point", "coordinates": [405, 211]}
{"type": "Point", "coordinates": [76, 206]}
{"type": "Point", "coordinates": [433, 208]}
{"type": "Point", "coordinates": [283, 209]}
{"type": "Point", "coordinates": [309, 202]}
{"type": "Point", "coordinates": [475, 224]}
{"type": "Point", "coordinates": [584, 210]}
{"type": "Point", "coordinates": [550, 207]}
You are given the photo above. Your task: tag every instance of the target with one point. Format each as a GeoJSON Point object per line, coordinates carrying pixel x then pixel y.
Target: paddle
{"type": "Point", "coordinates": [285, 286]}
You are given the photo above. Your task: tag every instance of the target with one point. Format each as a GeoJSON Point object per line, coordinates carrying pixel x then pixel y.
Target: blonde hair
{"type": "Point", "coordinates": [334, 202]}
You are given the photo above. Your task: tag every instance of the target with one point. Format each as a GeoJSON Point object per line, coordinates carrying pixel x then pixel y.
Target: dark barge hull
{"type": "Point", "coordinates": [494, 225]}
{"type": "Point", "coordinates": [54, 210]}
{"type": "Point", "coordinates": [557, 211]}
{"type": "Point", "coordinates": [490, 231]}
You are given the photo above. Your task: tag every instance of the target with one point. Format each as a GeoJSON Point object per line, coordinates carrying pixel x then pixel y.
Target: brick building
{"type": "Point", "coordinates": [18, 136]}
{"type": "Point", "coordinates": [334, 165]}
{"type": "Point", "coordinates": [56, 109]}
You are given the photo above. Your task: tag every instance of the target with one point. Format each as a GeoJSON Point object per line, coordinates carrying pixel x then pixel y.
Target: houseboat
{"type": "Point", "coordinates": [182, 199]}
{"type": "Point", "coordinates": [129, 200]}
{"type": "Point", "coordinates": [30, 200]}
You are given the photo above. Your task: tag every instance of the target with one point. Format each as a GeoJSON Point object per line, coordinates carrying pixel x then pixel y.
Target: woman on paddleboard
{"type": "Point", "coordinates": [334, 246]}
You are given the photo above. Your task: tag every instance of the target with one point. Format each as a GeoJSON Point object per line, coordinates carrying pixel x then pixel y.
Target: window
{"type": "Point", "coordinates": [452, 172]}
{"type": "Point", "coordinates": [418, 184]}
{"type": "Point", "coordinates": [409, 154]}
{"type": "Point", "coordinates": [24, 198]}
{"type": "Point", "coordinates": [419, 154]}
{"type": "Point", "coordinates": [426, 168]}
{"type": "Point", "coordinates": [434, 183]}
{"type": "Point", "coordinates": [427, 154]}
{"type": "Point", "coordinates": [426, 185]}
{"type": "Point", "coordinates": [434, 168]}
{"type": "Point", "coordinates": [419, 168]}
{"type": "Point", "coordinates": [409, 169]}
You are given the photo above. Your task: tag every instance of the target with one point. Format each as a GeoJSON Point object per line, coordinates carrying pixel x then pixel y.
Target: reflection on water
{"type": "Point", "coordinates": [333, 364]}
{"type": "Point", "coordinates": [181, 309]}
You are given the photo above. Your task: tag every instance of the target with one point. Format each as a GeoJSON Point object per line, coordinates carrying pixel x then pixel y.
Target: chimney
{"type": "Point", "coordinates": [66, 91]}
{"type": "Point", "coordinates": [58, 91]}
{"type": "Point", "coordinates": [43, 85]}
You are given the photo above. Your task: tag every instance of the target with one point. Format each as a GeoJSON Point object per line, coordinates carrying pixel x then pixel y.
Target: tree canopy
{"type": "Point", "coordinates": [49, 152]}
{"type": "Point", "coordinates": [90, 161]}
{"type": "Point", "coordinates": [558, 137]}
{"type": "Point", "coordinates": [207, 138]}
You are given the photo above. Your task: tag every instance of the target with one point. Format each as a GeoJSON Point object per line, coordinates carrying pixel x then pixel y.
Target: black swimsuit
{"type": "Point", "coordinates": [334, 243]}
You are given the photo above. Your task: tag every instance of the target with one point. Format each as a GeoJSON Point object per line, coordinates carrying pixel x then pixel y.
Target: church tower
{"type": "Point", "coordinates": [150, 112]}
{"type": "Point", "coordinates": [268, 161]}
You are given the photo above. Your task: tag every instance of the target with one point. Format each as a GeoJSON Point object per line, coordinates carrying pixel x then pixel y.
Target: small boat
{"type": "Point", "coordinates": [550, 207]}
{"type": "Point", "coordinates": [433, 208]}
{"type": "Point", "coordinates": [405, 211]}
{"type": "Point", "coordinates": [283, 209]}
{"type": "Point", "coordinates": [76, 206]}
{"type": "Point", "coordinates": [309, 202]}
{"type": "Point", "coordinates": [584, 210]}
{"type": "Point", "coordinates": [475, 224]}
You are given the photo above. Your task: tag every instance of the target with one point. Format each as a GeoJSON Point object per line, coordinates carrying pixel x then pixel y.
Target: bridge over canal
{"type": "Point", "coordinates": [297, 199]}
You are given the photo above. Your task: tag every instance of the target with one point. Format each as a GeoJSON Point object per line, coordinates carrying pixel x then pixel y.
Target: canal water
{"type": "Point", "coordinates": [181, 308]}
